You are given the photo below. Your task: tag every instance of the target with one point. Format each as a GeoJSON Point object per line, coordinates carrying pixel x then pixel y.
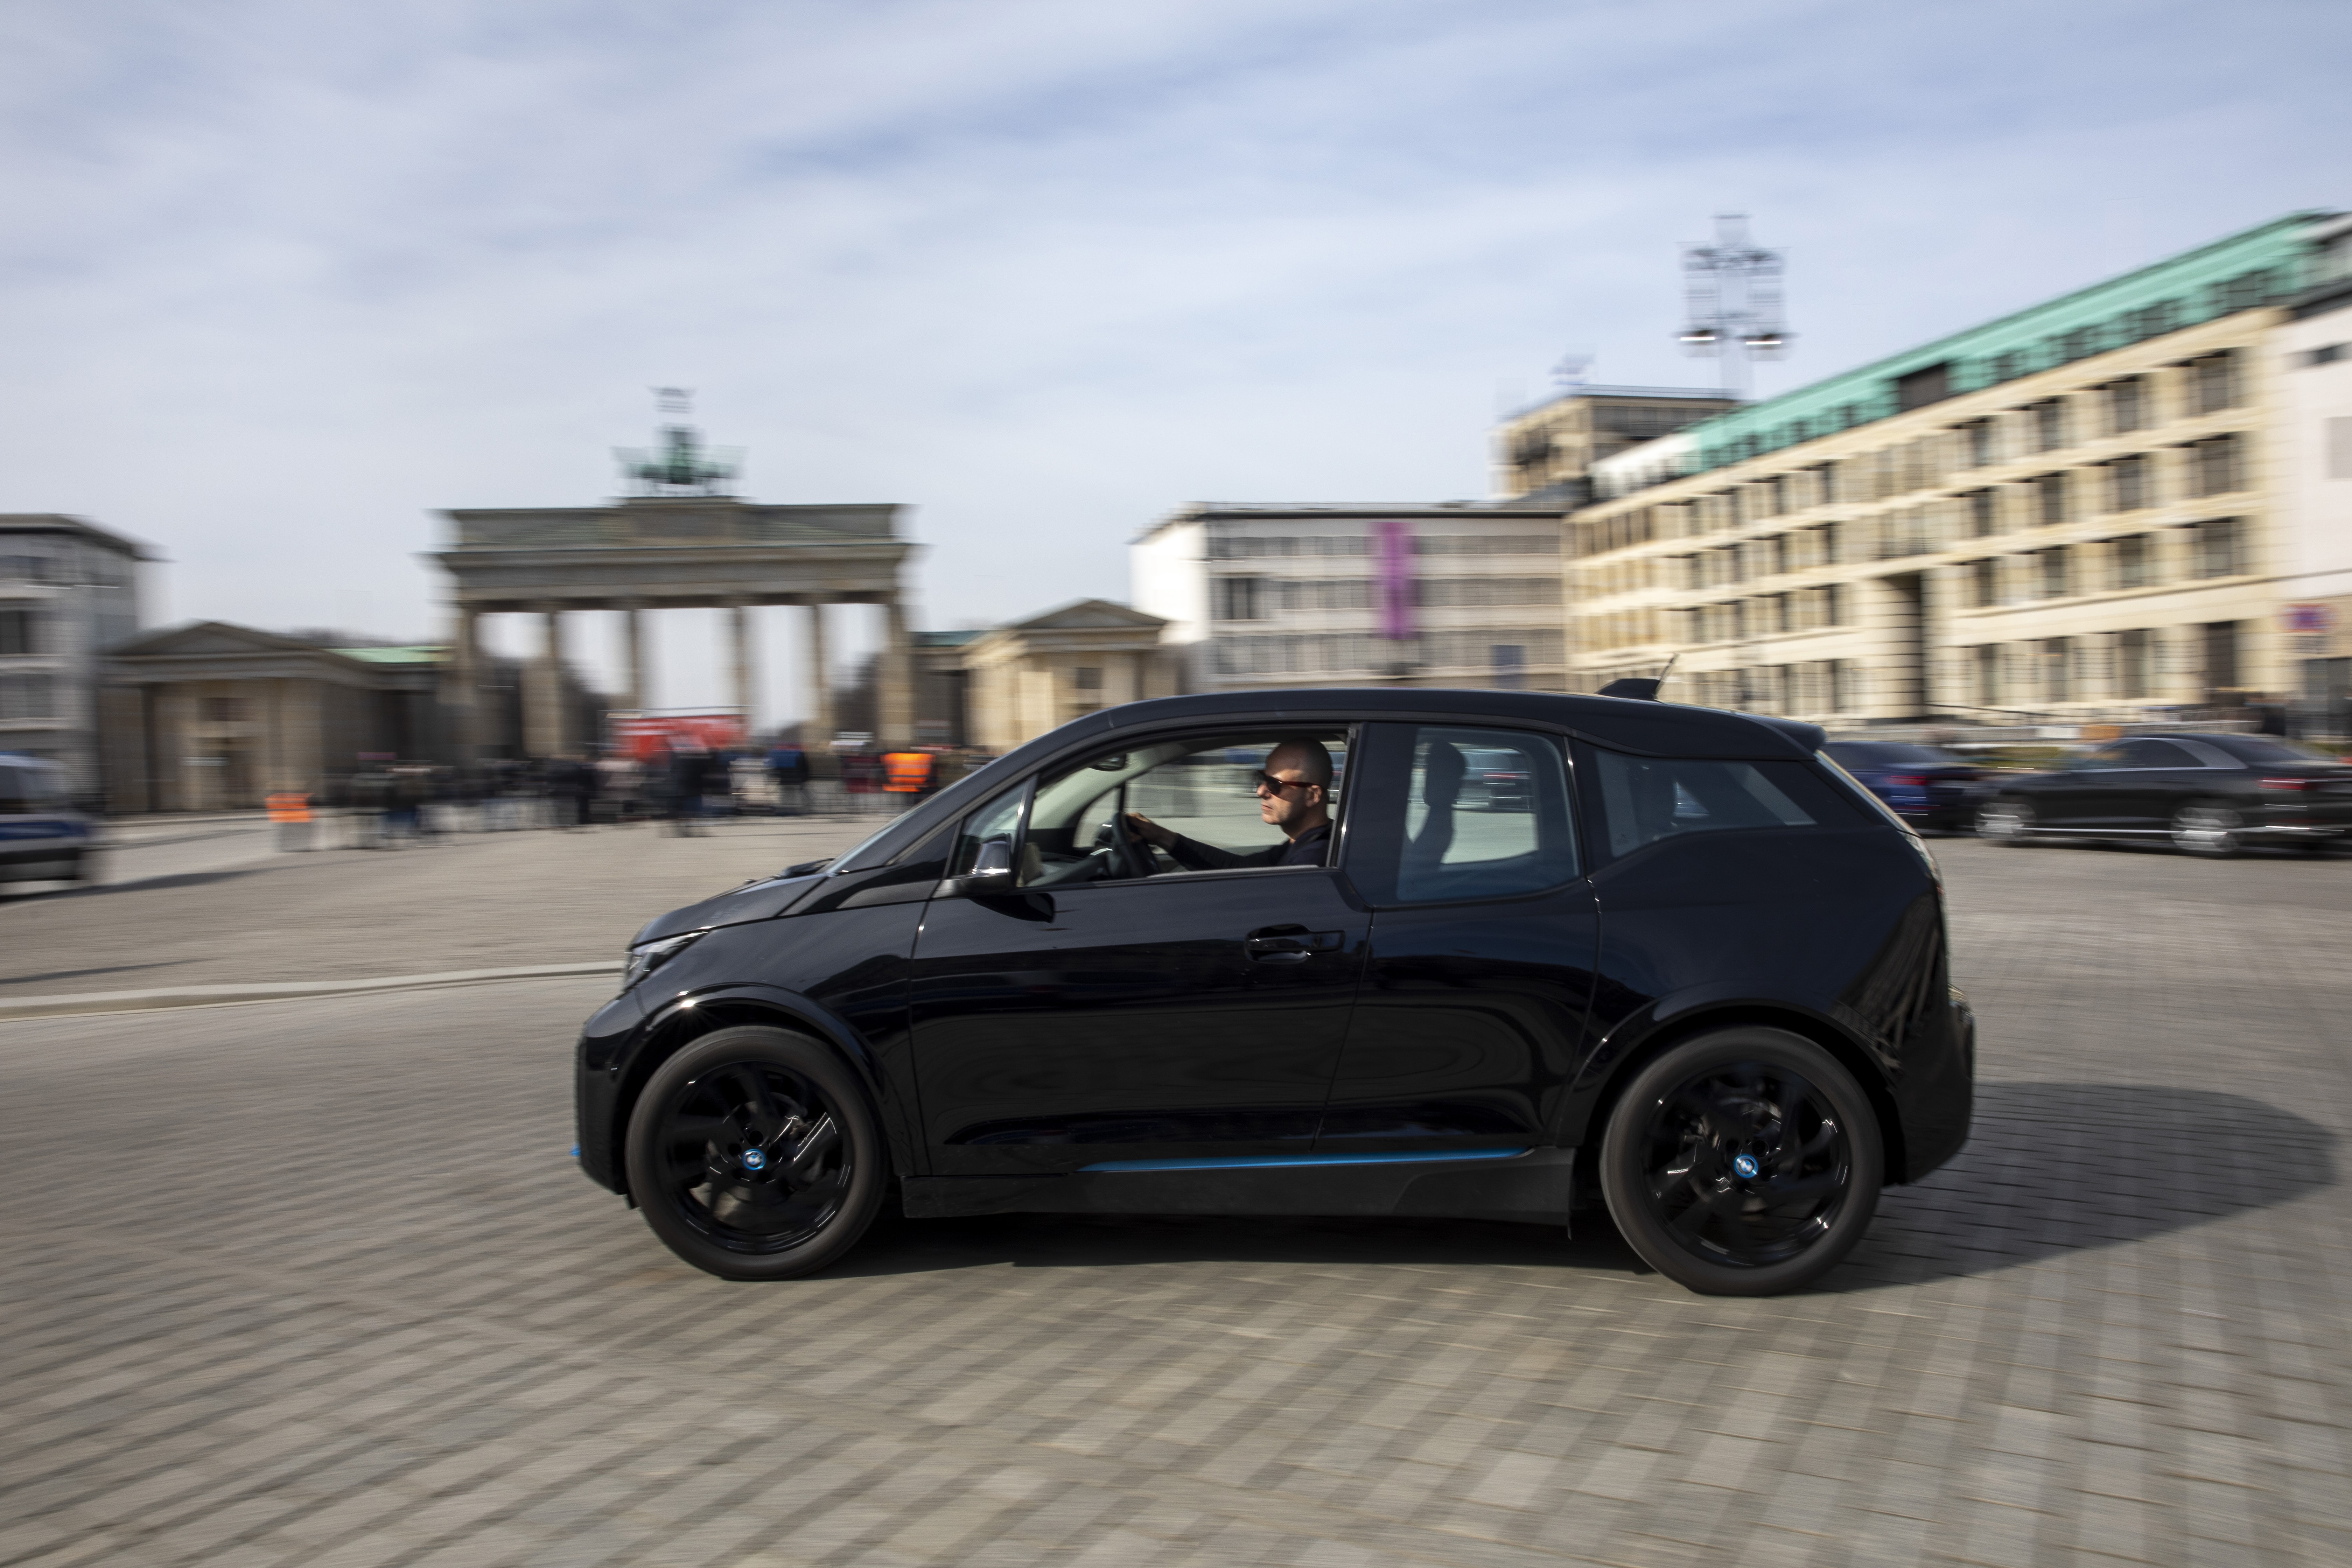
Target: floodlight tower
{"type": "Point", "coordinates": [1733, 287]}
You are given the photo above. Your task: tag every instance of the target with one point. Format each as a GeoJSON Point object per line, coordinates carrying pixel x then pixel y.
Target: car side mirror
{"type": "Point", "coordinates": [991, 872]}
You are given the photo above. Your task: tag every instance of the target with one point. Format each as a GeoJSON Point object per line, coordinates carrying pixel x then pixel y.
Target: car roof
{"type": "Point", "coordinates": [1623, 723]}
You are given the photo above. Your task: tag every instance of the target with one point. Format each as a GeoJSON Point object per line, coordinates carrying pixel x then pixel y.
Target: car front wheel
{"type": "Point", "coordinates": [2005, 821]}
{"type": "Point", "coordinates": [753, 1155]}
{"type": "Point", "coordinates": [2207, 828]}
{"type": "Point", "coordinates": [1742, 1163]}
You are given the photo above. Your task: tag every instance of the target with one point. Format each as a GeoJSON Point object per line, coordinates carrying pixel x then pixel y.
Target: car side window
{"type": "Point", "coordinates": [1651, 798]}
{"type": "Point", "coordinates": [1000, 820]}
{"type": "Point", "coordinates": [2157, 754]}
{"type": "Point", "coordinates": [1189, 804]}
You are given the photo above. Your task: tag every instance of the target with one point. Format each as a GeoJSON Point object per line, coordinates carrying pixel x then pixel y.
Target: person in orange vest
{"type": "Point", "coordinates": [291, 810]}
{"type": "Point", "coordinates": [906, 774]}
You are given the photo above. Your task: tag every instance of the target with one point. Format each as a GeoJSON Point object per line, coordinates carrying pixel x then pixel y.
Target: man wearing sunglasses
{"type": "Point", "coordinates": [1293, 794]}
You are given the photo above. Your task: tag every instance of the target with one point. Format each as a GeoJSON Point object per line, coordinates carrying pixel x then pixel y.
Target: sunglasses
{"type": "Point", "coordinates": [1264, 780]}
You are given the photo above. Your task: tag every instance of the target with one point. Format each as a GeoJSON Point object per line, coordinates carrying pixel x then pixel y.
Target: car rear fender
{"type": "Point", "coordinates": [684, 1019]}
{"type": "Point", "coordinates": [1641, 1038]}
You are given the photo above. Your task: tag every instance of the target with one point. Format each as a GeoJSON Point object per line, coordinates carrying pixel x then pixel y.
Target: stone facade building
{"type": "Point", "coordinates": [1028, 676]}
{"type": "Point", "coordinates": [2077, 510]}
{"type": "Point", "coordinates": [1548, 451]}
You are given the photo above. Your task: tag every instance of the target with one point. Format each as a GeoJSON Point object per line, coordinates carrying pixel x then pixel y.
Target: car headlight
{"type": "Point", "coordinates": [649, 956]}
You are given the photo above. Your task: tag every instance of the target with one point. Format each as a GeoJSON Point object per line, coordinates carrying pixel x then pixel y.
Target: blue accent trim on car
{"type": "Point", "coordinates": [1261, 1161]}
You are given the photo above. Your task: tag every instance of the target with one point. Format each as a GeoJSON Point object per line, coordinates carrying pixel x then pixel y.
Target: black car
{"type": "Point", "coordinates": [2210, 794]}
{"type": "Point", "coordinates": [42, 837]}
{"type": "Point", "coordinates": [1703, 977]}
{"type": "Point", "coordinates": [1922, 784]}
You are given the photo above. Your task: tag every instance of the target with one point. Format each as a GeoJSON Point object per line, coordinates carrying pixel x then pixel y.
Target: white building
{"type": "Point", "coordinates": [1462, 594]}
{"type": "Point", "coordinates": [2315, 350]}
{"type": "Point", "coordinates": [68, 590]}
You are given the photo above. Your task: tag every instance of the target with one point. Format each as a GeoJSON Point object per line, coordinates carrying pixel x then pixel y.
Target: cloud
{"type": "Point", "coordinates": [284, 279]}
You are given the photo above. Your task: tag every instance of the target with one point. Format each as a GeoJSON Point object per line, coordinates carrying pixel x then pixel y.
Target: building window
{"type": "Point", "coordinates": [2213, 381]}
{"type": "Point", "coordinates": [1984, 583]}
{"type": "Point", "coordinates": [2050, 498]}
{"type": "Point", "coordinates": [2126, 405]}
{"type": "Point", "coordinates": [1977, 442]}
{"type": "Point", "coordinates": [2128, 483]}
{"type": "Point", "coordinates": [2215, 467]}
{"type": "Point", "coordinates": [1087, 678]}
{"type": "Point", "coordinates": [20, 633]}
{"type": "Point", "coordinates": [28, 697]}
{"type": "Point", "coordinates": [1238, 598]}
{"type": "Point", "coordinates": [1845, 686]}
{"type": "Point", "coordinates": [1988, 662]}
{"type": "Point", "coordinates": [2049, 423]}
{"type": "Point", "coordinates": [2131, 562]}
{"type": "Point", "coordinates": [2131, 664]}
{"type": "Point", "coordinates": [2057, 659]}
{"type": "Point", "coordinates": [1840, 604]}
{"type": "Point", "coordinates": [2052, 573]}
{"type": "Point", "coordinates": [2008, 367]}
{"type": "Point", "coordinates": [2220, 548]}
{"type": "Point", "coordinates": [1982, 522]}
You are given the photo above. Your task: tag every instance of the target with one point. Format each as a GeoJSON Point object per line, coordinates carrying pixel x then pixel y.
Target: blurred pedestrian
{"type": "Point", "coordinates": [788, 766]}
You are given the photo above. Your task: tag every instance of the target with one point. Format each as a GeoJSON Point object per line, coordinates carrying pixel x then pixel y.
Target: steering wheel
{"type": "Point", "coordinates": [1127, 847]}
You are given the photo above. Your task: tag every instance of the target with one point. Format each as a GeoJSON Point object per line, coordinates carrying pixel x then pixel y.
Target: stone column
{"type": "Point", "coordinates": [738, 644]}
{"type": "Point", "coordinates": [641, 690]}
{"type": "Point", "coordinates": [896, 718]}
{"type": "Point", "coordinates": [542, 712]}
{"type": "Point", "coordinates": [819, 729]}
{"type": "Point", "coordinates": [462, 685]}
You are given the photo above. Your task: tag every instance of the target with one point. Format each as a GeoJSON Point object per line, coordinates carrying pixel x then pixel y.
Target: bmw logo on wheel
{"type": "Point", "coordinates": [1744, 1166]}
{"type": "Point", "coordinates": [757, 1159]}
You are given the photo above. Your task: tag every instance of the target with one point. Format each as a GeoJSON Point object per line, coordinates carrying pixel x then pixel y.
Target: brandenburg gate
{"type": "Point", "coordinates": [681, 542]}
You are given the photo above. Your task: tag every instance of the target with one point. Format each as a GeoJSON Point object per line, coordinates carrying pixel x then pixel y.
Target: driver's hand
{"type": "Point", "coordinates": [1150, 832]}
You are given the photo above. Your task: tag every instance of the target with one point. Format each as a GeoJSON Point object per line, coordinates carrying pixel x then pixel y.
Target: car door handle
{"type": "Point", "coordinates": [1290, 944]}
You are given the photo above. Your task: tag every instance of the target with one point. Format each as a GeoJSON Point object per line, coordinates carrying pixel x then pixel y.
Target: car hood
{"type": "Point", "coordinates": [757, 901]}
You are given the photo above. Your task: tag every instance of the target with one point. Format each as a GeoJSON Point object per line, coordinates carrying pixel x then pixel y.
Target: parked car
{"type": "Point", "coordinates": [1498, 780]}
{"type": "Point", "coordinates": [1924, 784]}
{"type": "Point", "coordinates": [2211, 794]}
{"type": "Point", "coordinates": [42, 837]}
{"type": "Point", "coordinates": [1702, 979]}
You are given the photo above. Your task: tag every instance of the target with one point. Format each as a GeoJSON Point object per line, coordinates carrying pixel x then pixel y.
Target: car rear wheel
{"type": "Point", "coordinates": [1742, 1163]}
{"type": "Point", "coordinates": [753, 1155]}
{"type": "Point", "coordinates": [2208, 829]}
{"type": "Point", "coordinates": [2005, 821]}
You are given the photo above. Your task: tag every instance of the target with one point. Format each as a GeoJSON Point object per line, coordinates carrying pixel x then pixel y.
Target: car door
{"type": "Point", "coordinates": [2087, 792]}
{"type": "Point", "coordinates": [1482, 946]}
{"type": "Point", "coordinates": [2166, 776]}
{"type": "Point", "coordinates": [1075, 1019]}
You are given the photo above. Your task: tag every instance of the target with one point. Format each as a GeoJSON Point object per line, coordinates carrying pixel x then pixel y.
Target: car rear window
{"type": "Point", "coordinates": [1650, 798]}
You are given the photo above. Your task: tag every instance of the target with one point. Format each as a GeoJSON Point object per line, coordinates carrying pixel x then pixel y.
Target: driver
{"type": "Point", "coordinates": [1293, 794]}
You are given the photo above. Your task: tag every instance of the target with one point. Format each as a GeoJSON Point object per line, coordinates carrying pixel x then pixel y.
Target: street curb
{"type": "Point", "coordinates": [284, 991]}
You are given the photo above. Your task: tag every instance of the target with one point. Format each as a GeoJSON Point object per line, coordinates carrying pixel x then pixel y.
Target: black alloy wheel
{"type": "Point", "coordinates": [2005, 821]}
{"type": "Point", "coordinates": [1742, 1163]}
{"type": "Point", "coordinates": [754, 1156]}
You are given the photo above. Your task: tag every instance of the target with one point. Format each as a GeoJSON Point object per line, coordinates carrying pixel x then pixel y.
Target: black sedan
{"type": "Point", "coordinates": [1257, 954]}
{"type": "Point", "coordinates": [1922, 784]}
{"type": "Point", "coordinates": [2211, 794]}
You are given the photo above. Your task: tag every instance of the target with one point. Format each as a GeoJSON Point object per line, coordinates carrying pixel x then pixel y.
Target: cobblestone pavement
{"type": "Point", "coordinates": [314, 1283]}
{"type": "Point", "coordinates": [229, 909]}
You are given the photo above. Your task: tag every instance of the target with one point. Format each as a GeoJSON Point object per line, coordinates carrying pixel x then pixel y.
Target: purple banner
{"type": "Point", "coordinates": [1396, 580]}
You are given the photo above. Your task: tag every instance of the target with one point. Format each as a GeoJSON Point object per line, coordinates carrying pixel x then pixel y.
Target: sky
{"type": "Point", "coordinates": [278, 280]}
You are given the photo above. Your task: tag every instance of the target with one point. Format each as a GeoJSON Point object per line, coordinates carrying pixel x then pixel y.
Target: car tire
{"type": "Point", "coordinates": [753, 1155]}
{"type": "Point", "coordinates": [1671, 1171]}
{"type": "Point", "coordinates": [2005, 821]}
{"type": "Point", "coordinates": [2208, 829]}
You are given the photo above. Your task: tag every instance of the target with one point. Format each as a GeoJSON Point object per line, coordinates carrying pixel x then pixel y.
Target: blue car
{"type": "Point", "coordinates": [1921, 785]}
{"type": "Point", "coordinates": [42, 838]}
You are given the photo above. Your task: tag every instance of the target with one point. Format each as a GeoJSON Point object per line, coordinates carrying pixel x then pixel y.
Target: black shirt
{"type": "Point", "coordinates": [1306, 850]}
